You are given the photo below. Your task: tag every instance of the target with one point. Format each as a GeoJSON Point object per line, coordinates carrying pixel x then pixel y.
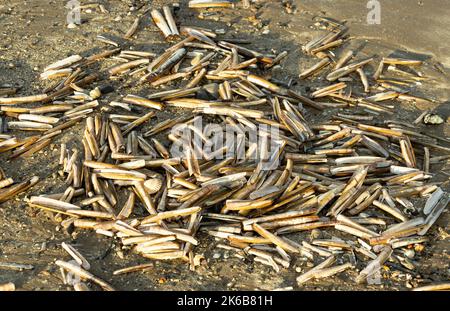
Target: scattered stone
{"type": "Point", "coordinates": [410, 253]}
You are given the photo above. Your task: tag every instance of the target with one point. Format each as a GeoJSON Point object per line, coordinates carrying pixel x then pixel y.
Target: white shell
{"type": "Point", "coordinates": [153, 185]}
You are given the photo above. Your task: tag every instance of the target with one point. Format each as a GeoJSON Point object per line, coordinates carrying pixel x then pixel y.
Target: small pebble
{"type": "Point", "coordinates": [410, 253]}
{"type": "Point", "coordinates": [419, 248]}
{"type": "Point", "coordinates": [220, 31]}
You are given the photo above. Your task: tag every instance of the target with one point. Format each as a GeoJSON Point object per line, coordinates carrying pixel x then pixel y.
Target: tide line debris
{"type": "Point", "coordinates": [352, 177]}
